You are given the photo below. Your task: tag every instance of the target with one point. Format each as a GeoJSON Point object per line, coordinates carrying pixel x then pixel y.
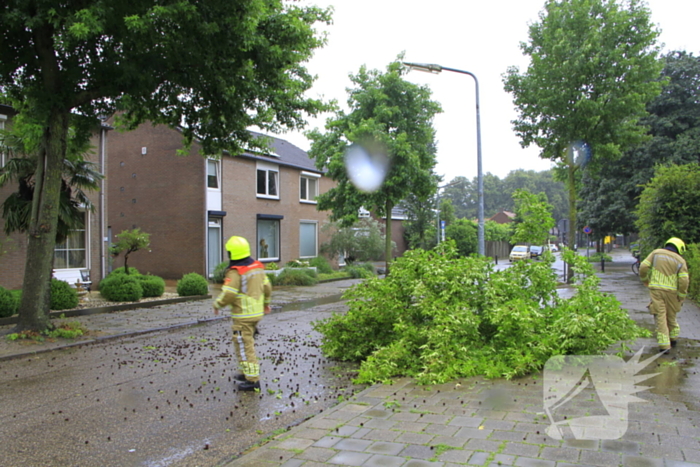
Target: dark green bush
{"type": "Point", "coordinates": [296, 277]}
{"type": "Point", "coordinates": [9, 303]}
{"type": "Point", "coordinates": [321, 264]}
{"type": "Point", "coordinates": [220, 272]}
{"type": "Point", "coordinates": [132, 271]}
{"type": "Point", "coordinates": [63, 296]}
{"type": "Point", "coordinates": [121, 288]}
{"type": "Point", "coordinates": [153, 286]}
{"type": "Point", "coordinates": [192, 284]}
{"type": "Point", "coordinates": [692, 257]}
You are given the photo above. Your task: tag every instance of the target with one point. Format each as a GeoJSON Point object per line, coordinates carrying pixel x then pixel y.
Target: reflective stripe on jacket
{"type": "Point", "coordinates": [665, 270]}
{"type": "Point", "coordinates": [246, 289]}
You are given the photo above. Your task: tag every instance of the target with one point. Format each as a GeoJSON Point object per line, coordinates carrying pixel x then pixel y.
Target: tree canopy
{"type": "Point", "coordinates": [210, 67]}
{"type": "Point", "coordinates": [388, 115]}
{"type": "Point", "coordinates": [498, 193]}
{"type": "Point", "coordinates": [609, 198]}
{"type": "Point", "coordinates": [593, 68]}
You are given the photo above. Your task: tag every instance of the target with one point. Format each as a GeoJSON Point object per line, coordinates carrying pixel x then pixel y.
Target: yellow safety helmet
{"type": "Point", "coordinates": [238, 248]}
{"type": "Point", "coordinates": [678, 243]}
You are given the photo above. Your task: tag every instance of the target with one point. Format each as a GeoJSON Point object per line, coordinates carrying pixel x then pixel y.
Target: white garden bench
{"type": "Point", "coordinates": [74, 277]}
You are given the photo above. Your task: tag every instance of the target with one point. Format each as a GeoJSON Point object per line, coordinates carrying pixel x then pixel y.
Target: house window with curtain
{"type": "Point", "coordinates": [267, 180]}
{"type": "Point", "coordinates": [308, 187]}
{"type": "Point", "coordinates": [308, 239]}
{"type": "Point", "coordinates": [213, 174]}
{"type": "Point", "coordinates": [71, 253]}
{"type": "Point", "coordinates": [268, 243]}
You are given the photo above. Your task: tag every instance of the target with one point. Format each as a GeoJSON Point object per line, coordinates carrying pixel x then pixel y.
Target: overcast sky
{"type": "Point", "coordinates": [478, 36]}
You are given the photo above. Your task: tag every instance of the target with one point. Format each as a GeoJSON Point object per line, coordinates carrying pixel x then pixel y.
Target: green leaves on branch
{"type": "Point", "coordinates": [439, 316]}
{"type": "Point", "coordinates": [670, 206]}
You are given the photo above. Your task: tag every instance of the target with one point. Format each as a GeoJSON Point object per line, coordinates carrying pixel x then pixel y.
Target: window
{"type": "Point", "coordinates": [268, 180]}
{"type": "Point", "coordinates": [308, 187]}
{"type": "Point", "coordinates": [308, 240]}
{"type": "Point", "coordinates": [212, 174]}
{"type": "Point", "coordinates": [268, 239]}
{"type": "Point", "coordinates": [213, 244]}
{"type": "Point", "coordinates": [72, 252]}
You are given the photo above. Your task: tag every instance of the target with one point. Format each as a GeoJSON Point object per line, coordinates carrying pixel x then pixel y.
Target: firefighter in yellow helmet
{"type": "Point", "coordinates": [247, 290]}
{"type": "Point", "coordinates": [665, 272]}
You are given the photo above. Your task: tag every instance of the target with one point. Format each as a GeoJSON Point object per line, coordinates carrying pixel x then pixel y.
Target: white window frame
{"type": "Point", "coordinates": [267, 168]}
{"type": "Point", "coordinates": [304, 180]}
{"type": "Point", "coordinates": [214, 225]}
{"type": "Point", "coordinates": [86, 233]}
{"type": "Point", "coordinates": [315, 224]}
{"type": "Point", "coordinates": [217, 168]}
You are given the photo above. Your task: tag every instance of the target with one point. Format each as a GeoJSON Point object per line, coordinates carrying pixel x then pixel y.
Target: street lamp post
{"type": "Point", "coordinates": [432, 68]}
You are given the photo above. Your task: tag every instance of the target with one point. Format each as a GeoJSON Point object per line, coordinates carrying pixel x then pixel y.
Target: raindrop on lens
{"type": "Point", "coordinates": [366, 168]}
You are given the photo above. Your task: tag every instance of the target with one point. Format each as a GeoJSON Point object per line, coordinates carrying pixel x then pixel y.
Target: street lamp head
{"type": "Point", "coordinates": [424, 67]}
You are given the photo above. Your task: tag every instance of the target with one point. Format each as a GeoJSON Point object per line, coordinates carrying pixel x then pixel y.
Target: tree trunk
{"type": "Point", "coordinates": [572, 215]}
{"type": "Point", "coordinates": [36, 288]}
{"type": "Point", "coordinates": [387, 249]}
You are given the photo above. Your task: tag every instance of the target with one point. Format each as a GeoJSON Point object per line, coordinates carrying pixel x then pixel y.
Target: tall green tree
{"type": "Point", "coordinates": [608, 199]}
{"type": "Point", "coordinates": [211, 67]}
{"type": "Point", "coordinates": [420, 226]}
{"type": "Point", "coordinates": [593, 68]}
{"type": "Point", "coordinates": [533, 218]}
{"type": "Point", "coordinates": [387, 112]}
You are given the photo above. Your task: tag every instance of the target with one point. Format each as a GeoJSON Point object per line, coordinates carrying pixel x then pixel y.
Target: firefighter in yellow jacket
{"type": "Point", "coordinates": [247, 290]}
{"type": "Point", "coordinates": [665, 272]}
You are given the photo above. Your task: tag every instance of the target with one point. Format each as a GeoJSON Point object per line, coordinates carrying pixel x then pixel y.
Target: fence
{"type": "Point", "coordinates": [497, 249]}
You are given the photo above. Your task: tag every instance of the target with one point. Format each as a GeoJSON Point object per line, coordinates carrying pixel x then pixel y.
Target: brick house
{"type": "Point", "coordinates": [191, 205]}
{"type": "Point", "coordinates": [84, 250]}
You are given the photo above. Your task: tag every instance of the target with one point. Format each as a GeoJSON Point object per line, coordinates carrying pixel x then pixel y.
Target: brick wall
{"type": "Point", "coordinates": [242, 205]}
{"type": "Point", "coordinates": [161, 193]}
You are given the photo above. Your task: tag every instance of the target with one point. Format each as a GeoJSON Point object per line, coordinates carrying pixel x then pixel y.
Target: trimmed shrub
{"type": "Point", "coordinates": [121, 288]}
{"type": "Point", "coordinates": [220, 272]}
{"type": "Point", "coordinates": [296, 277]}
{"type": "Point", "coordinates": [192, 284]}
{"type": "Point", "coordinates": [63, 296]}
{"type": "Point", "coordinates": [153, 286]}
{"type": "Point", "coordinates": [272, 266]}
{"type": "Point", "coordinates": [9, 303]}
{"type": "Point", "coordinates": [132, 271]}
{"type": "Point", "coordinates": [321, 264]}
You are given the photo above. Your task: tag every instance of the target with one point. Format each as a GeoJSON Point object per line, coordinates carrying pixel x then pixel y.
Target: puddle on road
{"type": "Point", "coordinates": [299, 306]}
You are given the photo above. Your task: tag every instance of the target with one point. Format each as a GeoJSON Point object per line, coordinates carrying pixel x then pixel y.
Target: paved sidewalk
{"type": "Point", "coordinates": [498, 422]}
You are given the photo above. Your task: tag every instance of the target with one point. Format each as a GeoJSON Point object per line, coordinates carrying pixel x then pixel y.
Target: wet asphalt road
{"type": "Point", "coordinates": [164, 399]}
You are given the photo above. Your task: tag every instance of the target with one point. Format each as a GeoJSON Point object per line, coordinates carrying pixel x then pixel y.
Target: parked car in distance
{"type": "Point", "coordinates": [536, 251]}
{"type": "Point", "coordinates": [553, 247]}
{"type": "Point", "coordinates": [519, 252]}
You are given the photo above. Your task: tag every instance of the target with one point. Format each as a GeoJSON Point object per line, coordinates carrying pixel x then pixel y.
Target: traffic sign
{"type": "Point", "coordinates": [587, 230]}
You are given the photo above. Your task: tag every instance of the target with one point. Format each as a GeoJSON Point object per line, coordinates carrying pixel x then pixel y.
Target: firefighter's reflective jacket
{"type": "Point", "coordinates": [246, 289]}
{"type": "Point", "coordinates": [665, 270]}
